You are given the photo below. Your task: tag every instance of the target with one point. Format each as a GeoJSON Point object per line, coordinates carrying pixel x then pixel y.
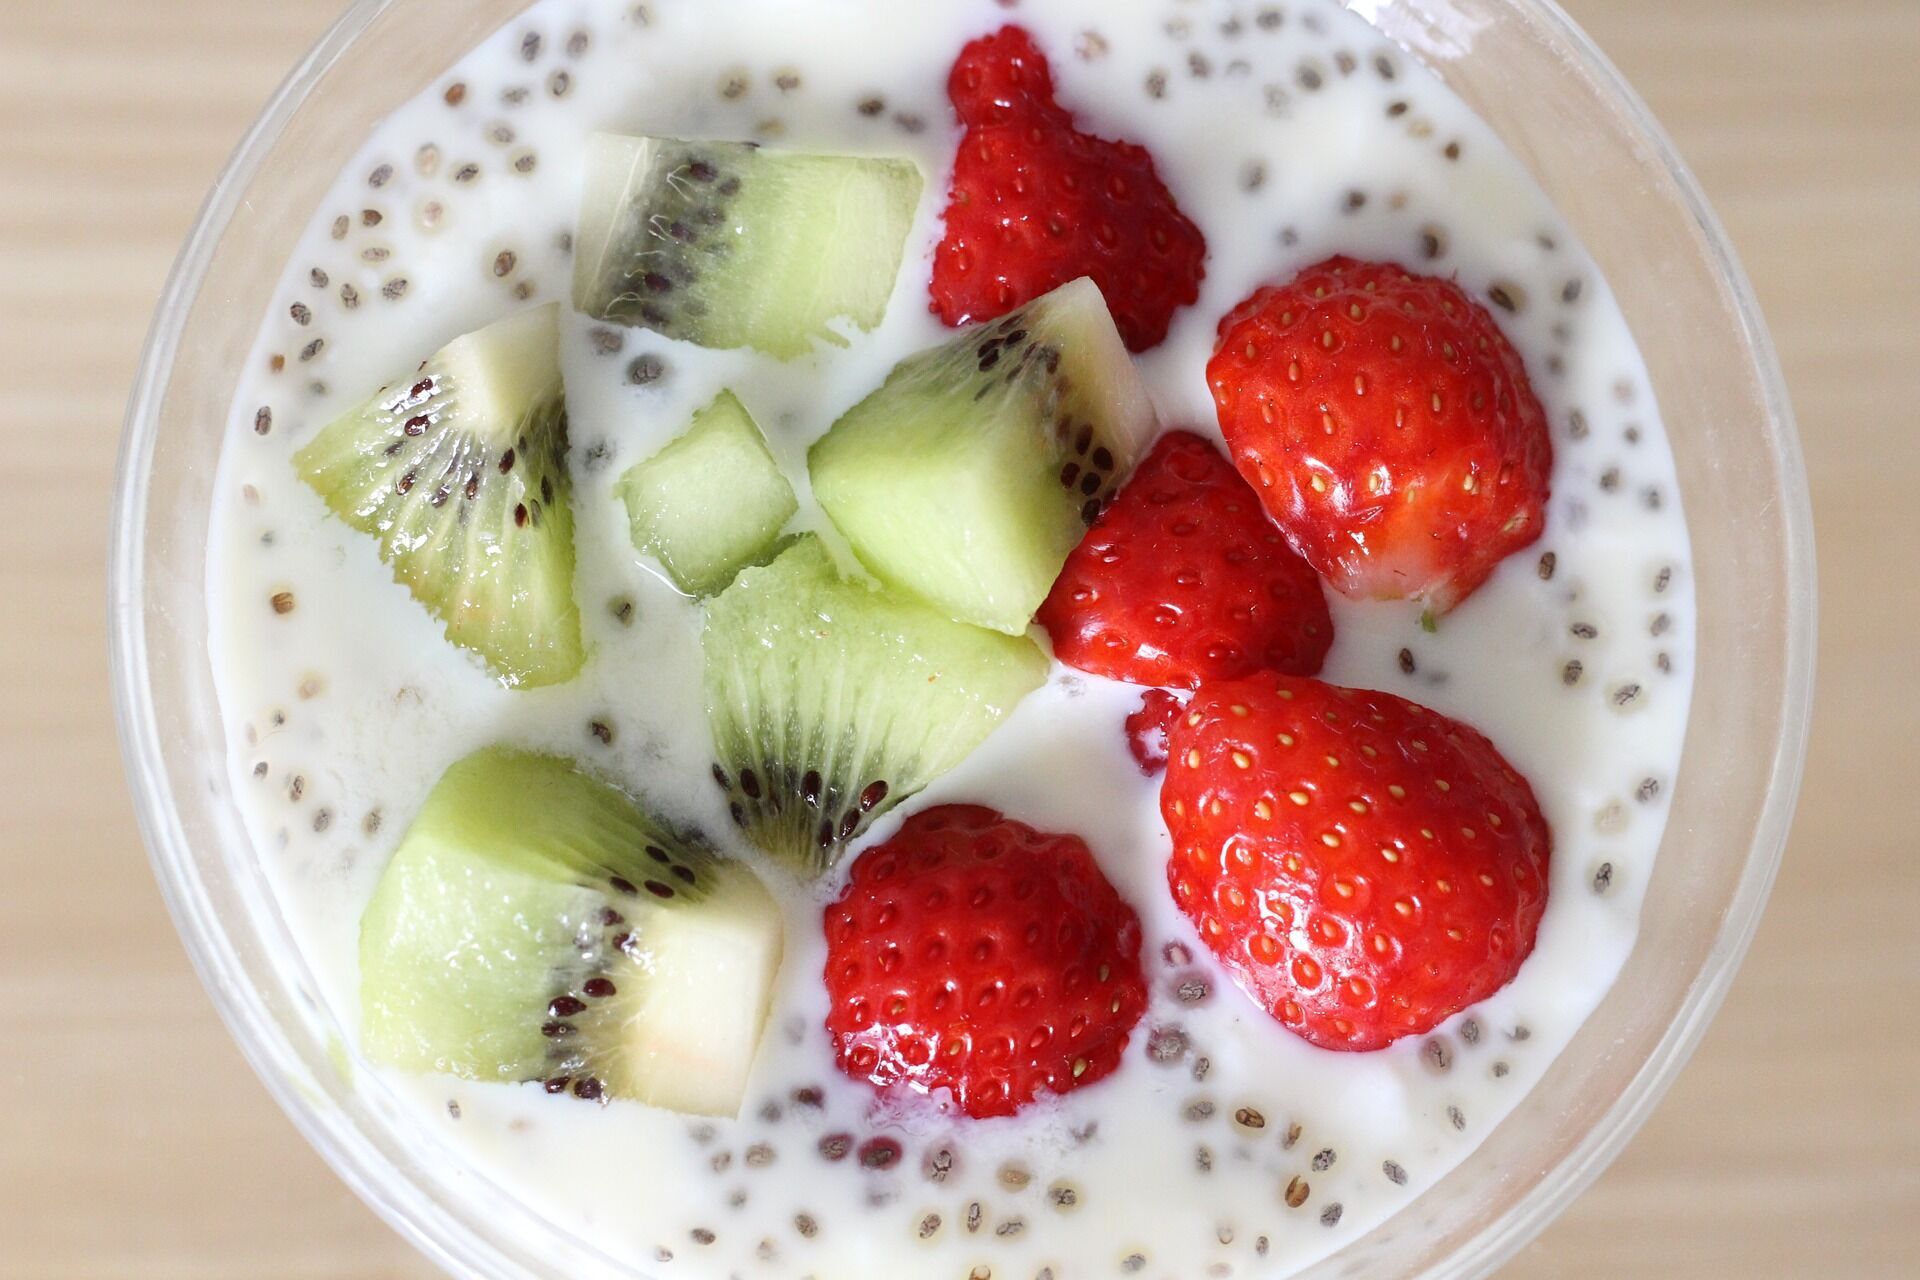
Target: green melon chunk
{"type": "Point", "coordinates": [710, 502]}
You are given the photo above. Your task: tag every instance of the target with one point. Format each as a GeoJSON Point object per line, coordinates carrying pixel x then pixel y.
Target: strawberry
{"type": "Point", "coordinates": [1389, 427]}
{"type": "Point", "coordinates": [1184, 579]}
{"type": "Point", "coordinates": [1364, 867]}
{"type": "Point", "coordinates": [973, 954]}
{"type": "Point", "coordinates": [1148, 728]}
{"type": "Point", "coordinates": [1035, 203]}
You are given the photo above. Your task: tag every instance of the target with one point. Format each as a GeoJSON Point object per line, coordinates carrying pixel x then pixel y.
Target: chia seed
{"type": "Point", "coordinates": [1166, 1045]}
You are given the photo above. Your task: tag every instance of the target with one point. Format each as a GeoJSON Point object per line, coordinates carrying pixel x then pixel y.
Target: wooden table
{"type": "Point", "coordinates": [134, 1143]}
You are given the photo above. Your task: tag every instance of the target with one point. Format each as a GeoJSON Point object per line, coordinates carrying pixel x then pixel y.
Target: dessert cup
{"type": "Point", "coordinates": [1590, 143]}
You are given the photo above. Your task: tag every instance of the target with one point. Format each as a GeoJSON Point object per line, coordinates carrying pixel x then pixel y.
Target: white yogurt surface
{"type": "Point", "coordinates": [1288, 132]}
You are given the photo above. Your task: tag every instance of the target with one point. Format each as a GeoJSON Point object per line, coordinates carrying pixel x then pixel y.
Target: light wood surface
{"type": "Point", "coordinates": [135, 1143]}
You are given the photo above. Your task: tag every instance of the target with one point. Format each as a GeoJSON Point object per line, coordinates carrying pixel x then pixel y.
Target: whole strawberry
{"type": "Point", "coordinates": [1184, 579]}
{"type": "Point", "coordinates": [973, 954]}
{"type": "Point", "coordinates": [1389, 427]}
{"type": "Point", "coordinates": [1363, 866]}
{"type": "Point", "coordinates": [1036, 203]}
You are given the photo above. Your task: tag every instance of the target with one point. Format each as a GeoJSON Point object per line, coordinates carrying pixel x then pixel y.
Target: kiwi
{"type": "Point", "coordinates": [458, 470]}
{"type": "Point", "coordinates": [724, 244]}
{"type": "Point", "coordinates": [968, 476]}
{"type": "Point", "coordinates": [711, 501]}
{"type": "Point", "coordinates": [536, 924]}
{"type": "Point", "coordinates": [832, 701]}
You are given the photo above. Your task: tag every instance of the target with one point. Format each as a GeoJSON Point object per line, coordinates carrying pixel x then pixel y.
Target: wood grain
{"type": "Point", "coordinates": [135, 1143]}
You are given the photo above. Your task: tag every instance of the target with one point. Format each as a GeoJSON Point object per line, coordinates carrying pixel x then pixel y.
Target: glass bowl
{"type": "Point", "coordinates": [1591, 144]}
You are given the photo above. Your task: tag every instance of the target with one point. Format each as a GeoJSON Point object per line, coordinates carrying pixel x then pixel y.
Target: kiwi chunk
{"type": "Point", "coordinates": [711, 501]}
{"type": "Point", "coordinates": [978, 465]}
{"type": "Point", "coordinates": [536, 924]}
{"type": "Point", "coordinates": [832, 701]}
{"type": "Point", "coordinates": [458, 470]}
{"type": "Point", "coordinates": [724, 244]}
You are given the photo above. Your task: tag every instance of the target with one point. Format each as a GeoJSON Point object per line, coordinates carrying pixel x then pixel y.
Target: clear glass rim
{"type": "Point", "coordinates": [444, 1236]}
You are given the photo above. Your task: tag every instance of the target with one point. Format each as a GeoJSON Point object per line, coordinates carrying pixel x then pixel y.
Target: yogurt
{"type": "Point", "coordinates": [1223, 1146]}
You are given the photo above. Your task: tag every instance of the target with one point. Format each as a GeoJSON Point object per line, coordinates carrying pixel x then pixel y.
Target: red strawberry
{"type": "Point", "coordinates": [1147, 729]}
{"type": "Point", "coordinates": [1036, 203]}
{"type": "Point", "coordinates": [974, 954]}
{"type": "Point", "coordinates": [1363, 866]}
{"type": "Point", "coordinates": [1183, 579]}
{"type": "Point", "coordinates": [1389, 427]}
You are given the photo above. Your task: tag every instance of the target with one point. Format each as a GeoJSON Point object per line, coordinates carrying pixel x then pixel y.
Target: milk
{"type": "Point", "coordinates": [1286, 141]}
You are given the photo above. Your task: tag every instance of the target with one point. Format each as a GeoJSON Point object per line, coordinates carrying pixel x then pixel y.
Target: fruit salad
{"type": "Point", "coordinates": [998, 640]}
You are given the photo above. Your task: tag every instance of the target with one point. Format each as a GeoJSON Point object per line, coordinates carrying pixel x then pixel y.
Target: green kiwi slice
{"type": "Point", "coordinates": [728, 244]}
{"type": "Point", "coordinates": [968, 476]}
{"type": "Point", "coordinates": [536, 925]}
{"type": "Point", "coordinates": [832, 701]}
{"type": "Point", "coordinates": [458, 470]}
